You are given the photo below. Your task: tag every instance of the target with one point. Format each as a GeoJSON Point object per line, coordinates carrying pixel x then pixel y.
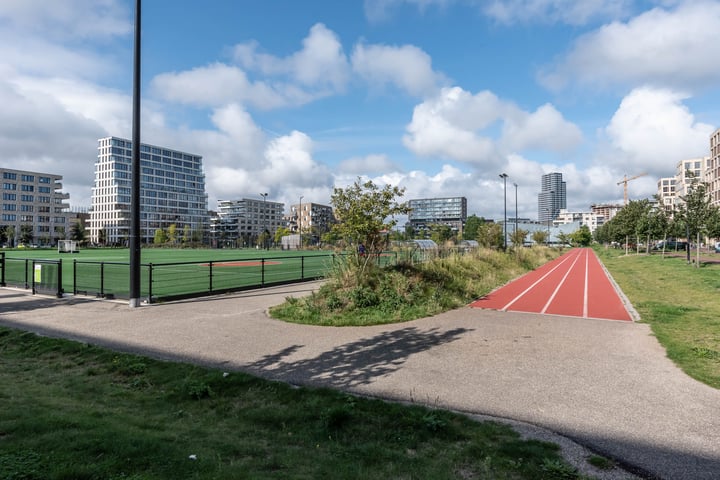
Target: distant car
{"type": "Point", "coordinates": [717, 247]}
{"type": "Point", "coordinates": [671, 245]}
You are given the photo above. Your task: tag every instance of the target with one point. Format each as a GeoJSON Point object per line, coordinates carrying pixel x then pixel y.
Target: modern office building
{"type": "Point", "coordinates": [312, 218]}
{"type": "Point", "coordinates": [552, 197]}
{"type": "Point", "coordinates": [450, 211]}
{"type": "Point", "coordinates": [713, 173]}
{"type": "Point", "coordinates": [172, 192]}
{"type": "Point", "coordinates": [666, 193]}
{"type": "Point", "coordinates": [34, 208]}
{"type": "Point", "coordinates": [239, 223]}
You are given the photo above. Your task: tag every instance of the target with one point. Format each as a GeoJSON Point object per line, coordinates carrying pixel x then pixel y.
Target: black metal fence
{"type": "Point", "coordinates": [170, 281]}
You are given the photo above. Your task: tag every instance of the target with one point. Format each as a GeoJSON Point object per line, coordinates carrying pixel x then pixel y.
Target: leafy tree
{"type": "Point", "coordinates": [697, 212]}
{"type": "Point", "coordinates": [160, 237]}
{"type": "Point", "coordinates": [440, 233]}
{"type": "Point", "coordinates": [26, 234]}
{"type": "Point", "coordinates": [540, 237]}
{"type": "Point", "coordinates": [78, 233]}
{"type": "Point", "coordinates": [186, 233]}
{"type": "Point", "coordinates": [281, 232]}
{"type": "Point", "coordinates": [472, 225]}
{"type": "Point", "coordinates": [364, 212]}
{"type": "Point", "coordinates": [490, 235]}
{"type": "Point", "coordinates": [564, 239]}
{"type": "Point", "coordinates": [581, 236]}
{"type": "Point", "coordinates": [10, 235]}
{"type": "Point", "coordinates": [410, 231]}
{"type": "Point", "coordinates": [197, 235]}
{"type": "Point", "coordinates": [102, 236]}
{"type": "Point", "coordinates": [172, 233]}
{"type": "Point", "coordinates": [518, 237]}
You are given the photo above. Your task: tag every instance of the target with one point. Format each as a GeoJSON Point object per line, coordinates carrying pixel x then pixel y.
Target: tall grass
{"type": "Point", "coordinates": [364, 294]}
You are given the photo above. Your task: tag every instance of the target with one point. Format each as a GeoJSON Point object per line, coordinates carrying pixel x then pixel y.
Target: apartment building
{"type": "Point", "coordinates": [450, 211]}
{"type": "Point", "coordinates": [34, 208]}
{"type": "Point", "coordinates": [552, 197]}
{"type": "Point", "coordinates": [590, 219]}
{"type": "Point", "coordinates": [239, 223]}
{"type": "Point", "coordinates": [172, 191]}
{"type": "Point", "coordinates": [666, 193]}
{"type": "Point", "coordinates": [713, 173]}
{"type": "Point", "coordinates": [312, 218]}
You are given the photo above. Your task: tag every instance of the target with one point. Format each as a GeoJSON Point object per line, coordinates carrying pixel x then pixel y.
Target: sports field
{"type": "Point", "coordinates": [165, 273]}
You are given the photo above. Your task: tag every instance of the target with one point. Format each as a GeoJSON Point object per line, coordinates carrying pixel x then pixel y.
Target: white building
{"type": "Point", "coordinates": [240, 222]}
{"type": "Point", "coordinates": [591, 219]}
{"type": "Point", "coordinates": [33, 205]}
{"type": "Point", "coordinates": [172, 191]}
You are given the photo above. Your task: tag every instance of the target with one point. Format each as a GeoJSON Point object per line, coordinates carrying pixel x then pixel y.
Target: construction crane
{"type": "Point", "coordinates": [624, 183]}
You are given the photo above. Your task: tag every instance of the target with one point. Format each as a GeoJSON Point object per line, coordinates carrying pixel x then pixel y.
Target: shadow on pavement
{"type": "Point", "coordinates": [356, 363]}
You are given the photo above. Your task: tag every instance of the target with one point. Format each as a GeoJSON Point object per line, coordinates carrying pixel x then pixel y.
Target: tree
{"type": "Point", "coordinates": [160, 237]}
{"type": "Point", "coordinates": [172, 233]}
{"type": "Point", "coordinates": [518, 237]}
{"type": "Point", "coordinates": [472, 225]}
{"type": "Point", "coordinates": [365, 212]}
{"type": "Point", "coordinates": [78, 233]}
{"type": "Point", "coordinates": [186, 233]}
{"type": "Point", "coordinates": [540, 237]}
{"type": "Point", "coordinates": [102, 236]}
{"type": "Point", "coordinates": [564, 239]}
{"type": "Point", "coordinates": [581, 236]}
{"type": "Point", "coordinates": [281, 232]}
{"type": "Point", "coordinates": [697, 212]}
{"type": "Point", "coordinates": [440, 233]}
{"type": "Point", "coordinates": [490, 235]}
{"type": "Point", "coordinates": [26, 234]}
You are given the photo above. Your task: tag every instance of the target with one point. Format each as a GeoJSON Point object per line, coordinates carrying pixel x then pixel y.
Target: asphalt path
{"type": "Point", "coordinates": [607, 385]}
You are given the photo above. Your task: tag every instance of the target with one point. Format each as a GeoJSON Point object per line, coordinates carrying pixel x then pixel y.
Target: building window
{"type": "Point", "coordinates": [10, 176]}
{"type": "Point", "coordinates": [27, 178]}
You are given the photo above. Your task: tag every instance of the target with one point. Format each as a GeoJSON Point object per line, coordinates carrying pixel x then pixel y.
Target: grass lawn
{"type": "Point", "coordinates": [680, 302]}
{"type": "Point", "coordinates": [74, 411]}
{"type": "Point", "coordinates": [242, 268]}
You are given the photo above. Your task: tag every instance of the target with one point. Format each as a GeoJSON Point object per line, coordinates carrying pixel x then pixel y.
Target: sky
{"type": "Point", "coordinates": [438, 97]}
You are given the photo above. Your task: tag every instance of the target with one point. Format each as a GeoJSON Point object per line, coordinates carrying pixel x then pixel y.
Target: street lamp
{"type": "Point", "coordinates": [516, 209]}
{"type": "Point", "coordinates": [264, 195]}
{"type": "Point", "coordinates": [504, 176]}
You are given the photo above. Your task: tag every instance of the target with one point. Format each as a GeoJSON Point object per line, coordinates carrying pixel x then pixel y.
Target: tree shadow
{"type": "Point", "coordinates": [356, 363]}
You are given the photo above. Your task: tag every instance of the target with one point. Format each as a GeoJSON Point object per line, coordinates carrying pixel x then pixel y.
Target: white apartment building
{"type": "Point", "coordinates": [33, 205]}
{"type": "Point", "coordinates": [666, 193]}
{"type": "Point", "coordinates": [591, 219]}
{"type": "Point", "coordinates": [688, 172]}
{"type": "Point", "coordinates": [713, 173]}
{"type": "Point", "coordinates": [240, 222]}
{"type": "Point", "coordinates": [172, 191]}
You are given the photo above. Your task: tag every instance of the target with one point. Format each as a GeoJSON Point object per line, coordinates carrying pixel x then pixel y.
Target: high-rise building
{"type": "Point", "coordinates": [451, 211]}
{"type": "Point", "coordinates": [713, 174]}
{"type": "Point", "coordinates": [239, 223]}
{"type": "Point", "coordinates": [552, 197]}
{"type": "Point", "coordinates": [34, 208]}
{"type": "Point", "coordinates": [172, 192]}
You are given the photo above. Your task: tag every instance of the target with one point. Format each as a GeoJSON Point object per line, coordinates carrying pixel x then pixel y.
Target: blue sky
{"type": "Point", "coordinates": [437, 96]}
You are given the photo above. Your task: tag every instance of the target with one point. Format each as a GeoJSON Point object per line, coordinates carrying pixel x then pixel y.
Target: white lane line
{"type": "Point", "coordinates": [533, 285]}
{"type": "Point", "coordinates": [585, 295]}
{"type": "Point", "coordinates": [557, 289]}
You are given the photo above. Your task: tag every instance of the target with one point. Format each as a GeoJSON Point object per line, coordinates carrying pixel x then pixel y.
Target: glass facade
{"type": "Point", "coordinates": [444, 211]}
{"type": "Point", "coordinates": [172, 191]}
{"type": "Point", "coordinates": [552, 197]}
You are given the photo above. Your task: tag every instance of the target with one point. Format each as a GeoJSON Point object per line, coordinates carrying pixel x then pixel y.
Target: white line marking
{"type": "Point", "coordinates": [557, 289]}
{"type": "Point", "coordinates": [585, 295]}
{"type": "Point", "coordinates": [533, 285]}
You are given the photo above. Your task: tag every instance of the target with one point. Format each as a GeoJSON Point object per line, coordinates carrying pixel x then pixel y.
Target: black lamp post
{"type": "Point", "coordinates": [504, 176]}
{"type": "Point", "coordinates": [265, 243]}
{"type": "Point", "coordinates": [516, 209]}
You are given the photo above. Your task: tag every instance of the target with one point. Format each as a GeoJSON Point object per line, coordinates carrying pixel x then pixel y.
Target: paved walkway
{"type": "Point", "coordinates": [605, 384]}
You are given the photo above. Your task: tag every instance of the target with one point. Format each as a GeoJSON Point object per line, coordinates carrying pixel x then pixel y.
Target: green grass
{"type": "Point", "coordinates": [354, 295]}
{"type": "Point", "coordinates": [74, 411]}
{"type": "Point", "coordinates": [167, 279]}
{"type": "Point", "coordinates": [680, 302]}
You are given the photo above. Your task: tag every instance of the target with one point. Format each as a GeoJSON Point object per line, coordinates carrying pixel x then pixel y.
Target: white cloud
{"type": "Point", "coordinates": [572, 12]}
{"type": "Point", "coordinates": [659, 47]}
{"type": "Point", "coordinates": [652, 130]}
{"type": "Point", "coordinates": [406, 67]}
{"type": "Point", "coordinates": [461, 126]}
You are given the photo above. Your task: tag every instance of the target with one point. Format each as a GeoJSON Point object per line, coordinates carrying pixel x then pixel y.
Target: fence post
{"type": "Point", "coordinates": [102, 279]}
{"type": "Point", "coordinates": [27, 284]}
{"type": "Point", "coordinates": [211, 276]}
{"type": "Point", "coordinates": [302, 267]}
{"type": "Point", "coordinates": [150, 272]}
{"type": "Point", "coordinates": [2, 269]}
{"type": "Point", "coordinates": [32, 285]}
{"type": "Point", "coordinates": [74, 276]}
{"type": "Point", "coordinates": [59, 279]}
{"type": "Point", "coordinates": [262, 271]}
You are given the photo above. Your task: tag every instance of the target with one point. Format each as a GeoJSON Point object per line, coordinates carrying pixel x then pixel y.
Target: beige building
{"type": "Point", "coordinates": [666, 193]}
{"type": "Point", "coordinates": [713, 173]}
{"type": "Point", "coordinates": [309, 217]}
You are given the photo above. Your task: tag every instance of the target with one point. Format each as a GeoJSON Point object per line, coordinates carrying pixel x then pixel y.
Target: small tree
{"type": "Point", "coordinates": [518, 237]}
{"type": "Point", "coordinates": [490, 235]}
{"type": "Point", "coordinates": [160, 237]}
{"type": "Point", "coordinates": [78, 233]}
{"type": "Point", "coordinates": [281, 232]}
{"type": "Point", "coordinates": [186, 233]}
{"type": "Point", "coordinates": [102, 236]}
{"type": "Point", "coordinates": [540, 237]}
{"type": "Point", "coordinates": [365, 212]}
{"type": "Point", "coordinates": [582, 236]}
{"type": "Point", "coordinates": [10, 235]}
{"type": "Point", "coordinates": [172, 233]}
{"type": "Point", "coordinates": [26, 234]}
{"type": "Point", "coordinates": [472, 225]}
{"type": "Point", "coordinates": [440, 233]}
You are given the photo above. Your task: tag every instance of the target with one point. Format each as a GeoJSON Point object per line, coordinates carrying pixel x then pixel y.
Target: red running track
{"type": "Point", "coordinates": [574, 284]}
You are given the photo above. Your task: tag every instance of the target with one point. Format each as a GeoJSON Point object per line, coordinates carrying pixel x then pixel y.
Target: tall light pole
{"type": "Point", "coordinates": [264, 195]}
{"type": "Point", "coordinates": [300, 219]}
{"type": "Point", "coordinates": [504, 176]}
{"type": "Point", "coordinates": [547, 241]}
{"type": "Point", "coordinates": [516, 209]}
{"type": "Point", "coordinates": [135, 170]}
